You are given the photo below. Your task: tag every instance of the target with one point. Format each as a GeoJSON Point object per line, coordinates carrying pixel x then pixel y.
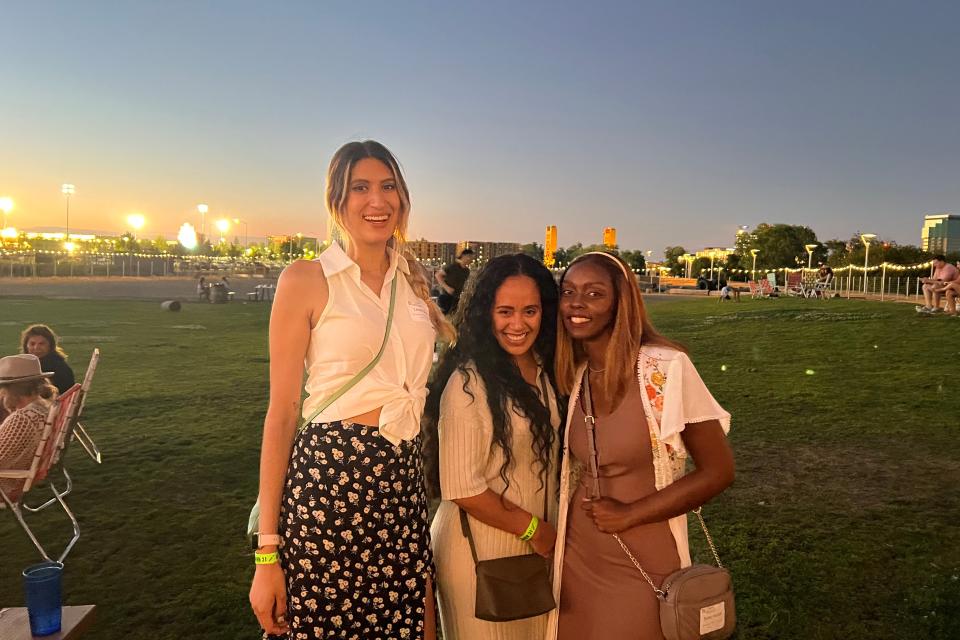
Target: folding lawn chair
{"type": "Point", "coordinates": [78, 432]}
{"type": "Point", "coordinates": [52, 442]}
{"type": "Point", "coordinates": [75, 431]}
{"type": "Point", "coordinates": [821, 288]}
{"type": "Point", "coordinates": [770, 285]}
{"type": "Point", "coordinates": [795, 284]}
{"type": "Point", "coordinates": [756, 290]}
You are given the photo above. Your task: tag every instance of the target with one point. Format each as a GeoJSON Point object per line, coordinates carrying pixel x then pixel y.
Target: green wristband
{"type": "Point", "coordinates": [531, 528]}
{"type": "Point", "coordinates": [266, 558]}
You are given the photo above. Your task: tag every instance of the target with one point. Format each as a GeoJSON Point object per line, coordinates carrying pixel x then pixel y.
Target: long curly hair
{"type": "Point", "coordinates": [477, 353]}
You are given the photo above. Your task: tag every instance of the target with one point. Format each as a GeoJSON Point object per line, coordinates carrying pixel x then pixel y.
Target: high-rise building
{"type": "Point", "coordinates": [609, 237]}
{"type": "Point", "coordinates": [940, 233]}
{"type": "Point", "coordinates": [484, 251]}
{"type": "Point", "coordinates": [435, 253]}
{"type": "Point", "coordinates": [550, 245]}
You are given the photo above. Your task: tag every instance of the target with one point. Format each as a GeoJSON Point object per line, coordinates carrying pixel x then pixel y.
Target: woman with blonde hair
{"type": "Point", "coordinates": [343, 547]}
{"type": "Point", "coordinates": [647, 409]}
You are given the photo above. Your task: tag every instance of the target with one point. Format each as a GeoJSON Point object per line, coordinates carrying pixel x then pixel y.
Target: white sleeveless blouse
{"type": "Point", "coordinates": [347, 338]}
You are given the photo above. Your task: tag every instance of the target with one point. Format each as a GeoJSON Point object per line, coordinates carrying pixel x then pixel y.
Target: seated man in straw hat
{"type": "Point", "coordinates": [26, 392]}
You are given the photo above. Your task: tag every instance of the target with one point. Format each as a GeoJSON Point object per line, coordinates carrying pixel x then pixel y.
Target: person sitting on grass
{"type": "Point", "coordinates": [26, 394]}
{"type": "Point", "coordinates": [951, 290]}
{"type": "Point", "coordinates": [933, 287]}
{"type": "Point", "coordinates": [824, 273]}
{"type": "Point", "coordinates": [728, 292]}
{"type": "Point", "coordinates": [41, 341]}
{"type": "Point", "coordinates": [203, 289]}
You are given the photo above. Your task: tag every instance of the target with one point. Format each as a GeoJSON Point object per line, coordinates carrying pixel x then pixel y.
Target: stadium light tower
{"type": "Point", "coordinates": [68, 190]}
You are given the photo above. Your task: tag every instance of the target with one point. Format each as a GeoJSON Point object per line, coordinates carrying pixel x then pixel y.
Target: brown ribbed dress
{"type": "Point", "coordinates": [602, 593]}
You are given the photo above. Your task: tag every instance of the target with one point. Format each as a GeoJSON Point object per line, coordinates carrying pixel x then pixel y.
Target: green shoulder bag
{"type": "Point", "coordinates": [253, 524]}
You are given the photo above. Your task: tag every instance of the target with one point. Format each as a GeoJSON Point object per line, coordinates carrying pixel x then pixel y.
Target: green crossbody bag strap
{"type": "Point", "coordinates": [363, 372]}
{"type": "Point", "coordinates": [253, 522]}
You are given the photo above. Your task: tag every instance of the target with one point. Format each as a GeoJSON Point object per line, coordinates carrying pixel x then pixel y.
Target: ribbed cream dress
{"type": "Point", "coordinates": [469, 465]}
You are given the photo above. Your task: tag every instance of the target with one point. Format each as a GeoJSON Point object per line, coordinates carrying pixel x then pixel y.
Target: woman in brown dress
{"type": "Point", "coordinates": [651, 409]}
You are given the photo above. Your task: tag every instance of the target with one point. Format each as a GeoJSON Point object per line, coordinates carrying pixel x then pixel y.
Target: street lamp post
{"type": "Point", "coordinates": [754, 253]}
{"type": "Point", "coordinates": [68, 190]}
{"type": "Point", "coordinates": [246, 230]}
{"type": "Point", "coordinates": [136, 221]}
{"type": "Point", "coordinates": [202, 210]}
{"type": "Point", "coordinates": [866, 238]}
{"type": "Point", "coordinates": [223, 225]}
{"type": "Point", "coordinates": [809, 248]}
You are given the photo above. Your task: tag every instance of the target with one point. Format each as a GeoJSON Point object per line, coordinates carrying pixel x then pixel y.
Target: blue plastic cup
{"type": "Point", "coordinates": [41, 586]}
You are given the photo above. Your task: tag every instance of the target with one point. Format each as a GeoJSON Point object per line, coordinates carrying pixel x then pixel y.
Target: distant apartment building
{"type": "Point", "coordinates": [940, 233]}
{"type": "Point", "coordinates": [438, 253]}
{"type": "Point", "coordinates": [550, 245]}
{"type": "Point", "coordinates": [609, 237]}
{"type": "Point", "coordinates": [488, 250]}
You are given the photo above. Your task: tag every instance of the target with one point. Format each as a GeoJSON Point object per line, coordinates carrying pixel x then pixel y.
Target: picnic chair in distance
{"type": "Point", "coordinates": [768, 286]}
{"type": "Point", "coordinates": [821, 288]}
{"type": "Point", "coordinates": [46, 457]}
{"type": "Point", "coordinates": [795, 284]}
{"type": "Point", "coordinates": [759, 288]}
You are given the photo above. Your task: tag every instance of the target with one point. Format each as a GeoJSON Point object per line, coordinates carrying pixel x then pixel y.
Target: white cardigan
{"type": "Point", "coordinates": [674, 396]}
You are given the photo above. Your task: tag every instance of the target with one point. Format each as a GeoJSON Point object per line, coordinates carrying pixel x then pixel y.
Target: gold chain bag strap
{"type": "Point", "coordinates": [696, 602]}
{"type": "Point", "coordinates": [515, 587]}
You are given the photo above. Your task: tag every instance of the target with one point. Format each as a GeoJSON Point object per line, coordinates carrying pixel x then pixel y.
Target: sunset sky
{"type": "Point", "coordinates": [673, 121]}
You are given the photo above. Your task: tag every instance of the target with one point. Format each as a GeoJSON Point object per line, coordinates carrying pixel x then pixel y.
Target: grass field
{"type": "Point", "coordinates": [842, 523]}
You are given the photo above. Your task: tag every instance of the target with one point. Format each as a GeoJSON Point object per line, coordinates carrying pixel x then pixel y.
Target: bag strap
{"type": "Point", "coordinates": [465, 523]}
{"type": "Point", "coordinates": [590, 420]}
{"type": "Point", "coordinates": [367, 369]}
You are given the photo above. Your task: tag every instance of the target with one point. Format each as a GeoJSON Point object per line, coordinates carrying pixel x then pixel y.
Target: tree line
{"type": "Point", "coordinates": [777, 245]}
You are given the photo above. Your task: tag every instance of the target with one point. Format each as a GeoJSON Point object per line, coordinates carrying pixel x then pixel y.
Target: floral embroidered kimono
{"type": "Point", "coordinates": [673, 396]}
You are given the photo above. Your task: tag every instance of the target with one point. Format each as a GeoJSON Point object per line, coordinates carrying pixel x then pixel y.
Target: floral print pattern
{"type": "Point", "coordinates": [653, 380]}
{"type": "Point", "coordinates": [355, 544]}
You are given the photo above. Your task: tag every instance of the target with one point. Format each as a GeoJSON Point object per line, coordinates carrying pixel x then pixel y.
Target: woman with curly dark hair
{"type": "Point", "coordinates": [491, 425]}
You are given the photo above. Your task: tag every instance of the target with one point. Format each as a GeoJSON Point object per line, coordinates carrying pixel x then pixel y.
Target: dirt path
{"type": "Point", "coordinates": [168, 288]}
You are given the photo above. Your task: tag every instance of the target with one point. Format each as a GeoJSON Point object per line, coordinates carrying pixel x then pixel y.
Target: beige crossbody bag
{"type": "Point", "coordinates": [696, 602]}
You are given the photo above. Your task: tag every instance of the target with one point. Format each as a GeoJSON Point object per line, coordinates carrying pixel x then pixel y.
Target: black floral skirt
{"type": "Point", "coordinates": [355, 546]}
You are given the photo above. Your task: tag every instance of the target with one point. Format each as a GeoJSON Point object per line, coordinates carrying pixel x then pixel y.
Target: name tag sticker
{"type": "Point", "coordinates": [418, 311]}
{"type": "Point", "coordinates": [712, 618]}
